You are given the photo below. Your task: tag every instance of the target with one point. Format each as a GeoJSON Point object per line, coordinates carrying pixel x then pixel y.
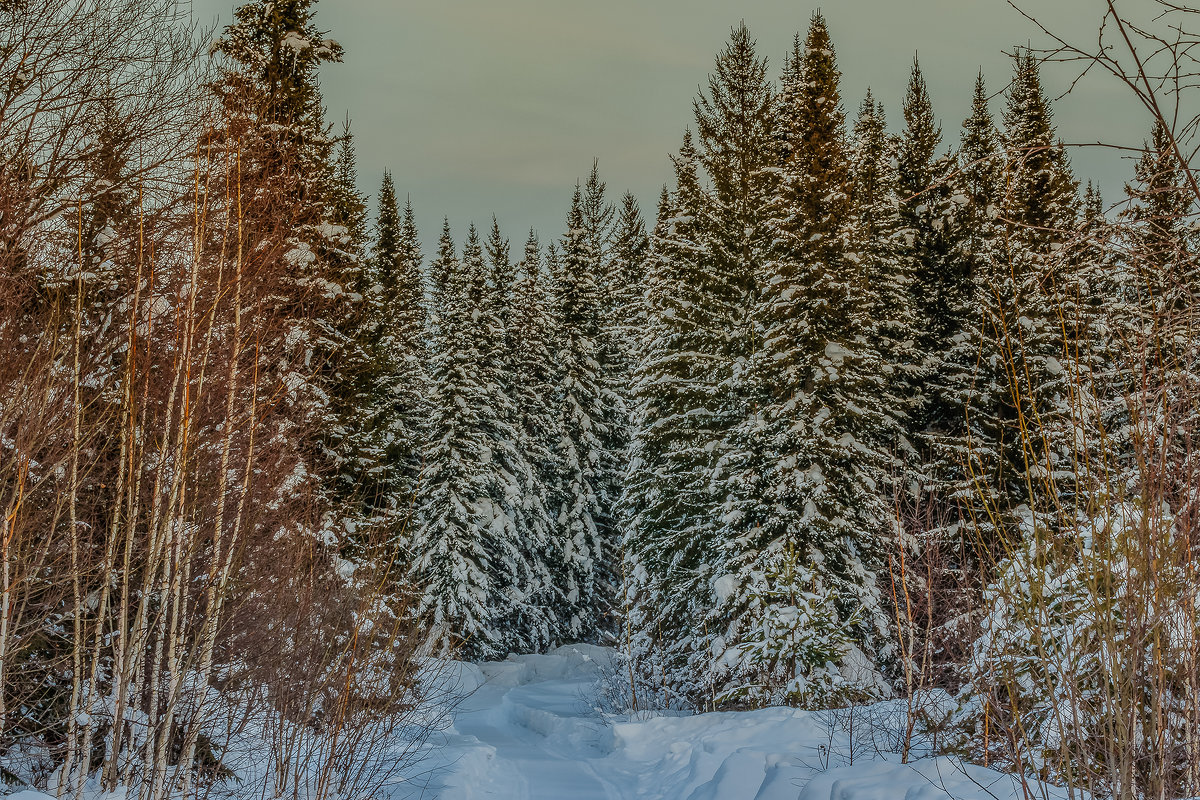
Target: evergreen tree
{"type": "Point", "coordinates": [1005, 443]}
{"type": "Point", "coordinates": [107, 233]}
{"type": "Point", "coordinates": [1037, 468]}
{"type": "Point", "coordinates": [1157, 361]}
{"type": "Point", "coordinates": [358, 372]}
{"type": "Point", "coordinates": [399, 310]}
{"type": "Point", "coordinates": [939, 285]}
{"type": "Point", "coordinates": [962, 434]}
{"type": "Point", "coordinates": [668, 493]}
{"type": "Point", "coordinates": [1040, 202]}
{"type": "Point", "coordinates": [502, 281]}
{"type": "Point", "coordinates": [585, 427]}
{"type": "Point", "coordinates": [981, 167]}
{"type": "Point", "coordinates": [799, 585]}
{"type": "Point", "coordinates": [598, 222]}
{"type": "Point", "coordinates": [1159, 211]}
{"type": "Point", "coordinates": [878, 245]}
{"type": "Point", "coordinates": [734, 119]}
{"type": "Point", "coordinates": [598, 218]}
{"type": "Point", "coordinates": [625, 300]}
{"type": "Point", "coordinates": [278, 139]}
{"type": "Point", "coordinates": [348, 208]}
{"type": "Point", "coordinates": [467, 559]}
{"type": "Point", "coordinates": [538, 431]}
{"type": "Point", "coordinates": [504, 471]}
{"type": "Point", "coordinates": [451, 562]}
{"type": "Point", "coordinates": [622, 331]}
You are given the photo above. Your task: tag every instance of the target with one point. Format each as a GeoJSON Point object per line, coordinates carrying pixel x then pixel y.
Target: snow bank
{"type": "Point", "coordinates": [28, 794]}
{"type": "Point", "coordinates": [926, 779]}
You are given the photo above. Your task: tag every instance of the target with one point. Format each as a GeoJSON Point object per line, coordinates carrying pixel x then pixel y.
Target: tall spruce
{"type": "Point", "coordinates": [926, 219]}
{"type": "Point", "coordinates": [359, 385]}
{"type": "Point", "coordinates": [599, 226]}
{"type": "Point", "coordinates": [1156, 320]}
{"type": "Point", "coordinates": [735, 122]}
{"type": "Point", "coordinates": [466, 558]}
{"type": "Point", "coordinates": [585, 427]}
{"type": "Point", "coordinates": [399, 307]}
{"type": "Point", "coordinates": [1161, 202]}
{"type": "Point", "coordinates": [502, 280]}
{"type": "Point", "coordinates": [275, 130]}
{"type": "Point", "coordinates": [877, 245]}
{"type": "Point", "coordinates": [450, 562]}
{"type": "Point", "coordinates": [1037, 468]}
{"type": "Point", "coordinates": [962, 435]}
{"type": "Point", "coordinates": [670, 543]}
{"type": "Point", "coordinates": [538, 431]}
{"type": "Point", "coordinates": [499, 504]}
{"type": "Point", "coordinates": [622, 332]}
{"type": "Point", "coordinates": [800, 585]}
{"type": "Point", "coordinates": [692, 384]}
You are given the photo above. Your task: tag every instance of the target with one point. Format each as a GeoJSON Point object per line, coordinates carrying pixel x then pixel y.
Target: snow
{"type": "Point", "coordinates": [533, 728]}
{"type": "Point", "coordinates": [724, 587]}
{"type": "Point", "coordinates": [295, 41]}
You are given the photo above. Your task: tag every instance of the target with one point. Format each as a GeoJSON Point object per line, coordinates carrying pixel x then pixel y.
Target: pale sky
{"type": "Point", "coordinates": [499, 106]}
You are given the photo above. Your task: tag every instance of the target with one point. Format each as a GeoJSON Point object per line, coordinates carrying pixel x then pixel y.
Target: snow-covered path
{"type": "Point", "coordinates": [530, 731]}
{"type": "Point", "coordinates": [520, 727]}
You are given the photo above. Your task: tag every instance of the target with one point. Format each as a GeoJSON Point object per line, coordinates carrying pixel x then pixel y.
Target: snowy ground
{"type": "Point", "coordinates": [531, 730]}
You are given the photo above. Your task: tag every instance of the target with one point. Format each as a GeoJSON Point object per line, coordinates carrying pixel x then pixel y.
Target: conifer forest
{"type": "Point", "coordinates": [863, 411]}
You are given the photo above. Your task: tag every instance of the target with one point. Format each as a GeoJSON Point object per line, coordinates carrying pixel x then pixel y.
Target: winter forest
{"type": "Point", "coordinates": [859, 413]}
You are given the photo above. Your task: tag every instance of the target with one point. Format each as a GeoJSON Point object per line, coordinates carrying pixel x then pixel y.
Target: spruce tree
{"type": "Point", "coordinates": [1041, 199]}
{"type": "Point", "coordinates": [1154, 325]}
{"type": "Point", "coordinates": [348, 208]}
{"type": "Point", "coordinates": [358, 382]}
{"type": "Point", "coordinates": [735, 123]}
{"type": "Point", "coordinates": [878, 244]}
{"type": "Point", "coordinates": [1161, 202]}
{"type": "Point", "coordinates": [275, 133]}
{"type": "Point", "coordinates": [800, 585]}
{"type": "Point", "coordinates": [584, 425]}
{"type": "Point", "coordinates": [626, 303]}
{"type": "Point", "coordinates": [670, 543]}
{"type": "Point", "coordinates": [538, 432]}
{"type": "Point", "coordinates": [467, 557]}
{"type": "Point", "coordinates": [926, 219]}
{"type": "Point", "coordinates": [503, 472]}
{"type": "Point", "coordinates": [598, 218]}
{"type": "Point", "coordinates": [451, 561]}
{"type": "Point", "coordinates": [1037, 468]}
{"type": "Point", "coordinates": [502, 280]}
{"type": "Point", "coordinates": [399, 309]}
{"type": "Point", "coordinates": [963, 398]}
{"type": "Point", "coordinates": [621, 334]}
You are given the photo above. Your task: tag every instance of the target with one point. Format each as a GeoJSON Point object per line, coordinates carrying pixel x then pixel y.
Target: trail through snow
{"type": "Point", "coordinates": [530, 730]}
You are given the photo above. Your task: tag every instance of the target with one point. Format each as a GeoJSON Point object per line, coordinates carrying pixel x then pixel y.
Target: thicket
{"type": "Point", "coordinates": [199, 590]}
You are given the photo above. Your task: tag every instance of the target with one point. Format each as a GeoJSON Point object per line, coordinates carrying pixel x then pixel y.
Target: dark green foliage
{"type": "Point", "coordinates": [941, 282]}
{"type": "Point", "coordinates": [878, 244]}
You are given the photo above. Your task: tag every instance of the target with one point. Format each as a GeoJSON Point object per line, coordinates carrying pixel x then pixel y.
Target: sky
{"type": "Point", "coordinates": [482, 107]}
